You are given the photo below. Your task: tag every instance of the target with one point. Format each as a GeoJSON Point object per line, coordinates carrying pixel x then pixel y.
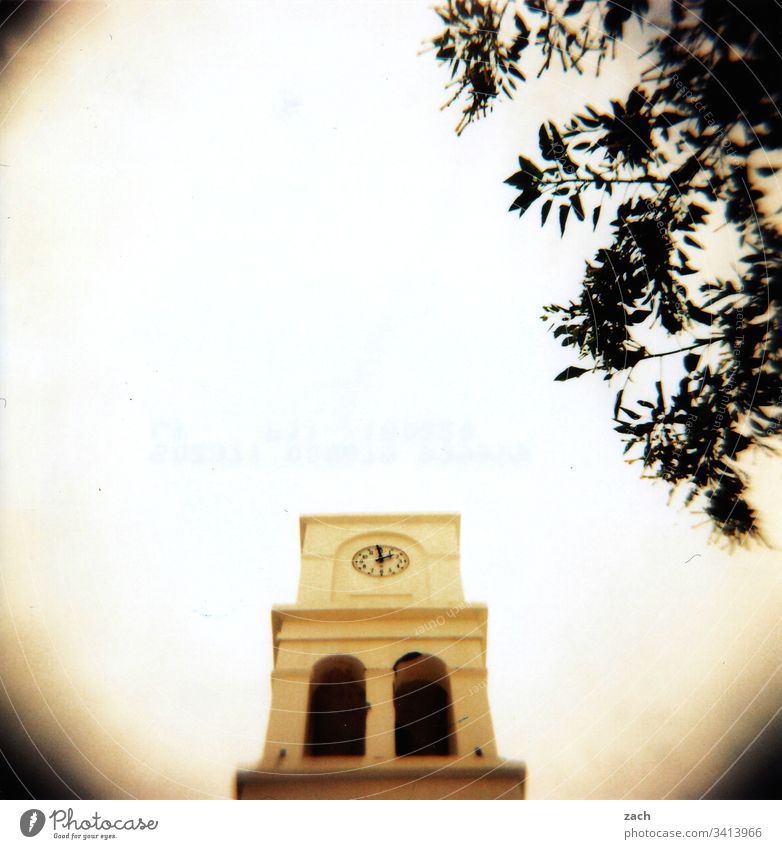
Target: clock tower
{"type": "Point", "coordinates": [379, 686]}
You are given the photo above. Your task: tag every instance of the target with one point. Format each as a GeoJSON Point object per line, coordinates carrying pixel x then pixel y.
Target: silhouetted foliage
{"type": "Point", "coordinates": [689, 146]}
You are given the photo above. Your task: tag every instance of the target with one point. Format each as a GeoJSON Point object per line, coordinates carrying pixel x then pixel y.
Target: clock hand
{"type": "Point", "coordinates": [379, 552]}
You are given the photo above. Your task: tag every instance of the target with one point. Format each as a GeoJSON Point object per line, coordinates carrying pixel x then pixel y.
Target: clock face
{"type": "Point", "coordinates": [380, 560]}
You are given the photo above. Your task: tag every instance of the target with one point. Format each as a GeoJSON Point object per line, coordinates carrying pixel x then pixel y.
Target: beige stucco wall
{"type": "Point", "coordinates": [329, 542]}
{"type": "Point", "coordinates": [457, 636]}
{"type": "Point", "coordinates": [427, 781]}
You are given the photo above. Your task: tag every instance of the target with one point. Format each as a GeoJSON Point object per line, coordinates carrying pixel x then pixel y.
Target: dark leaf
{"type": "Point", "coordinates": [637, 316]}
{"type": "Point", "coordinates": [571, 372]}
{"type": "Point", "coordinates": [529, 166]}
{"type": "Point", "coordinates": [520, 180]}
{"type": "Point", "coordinates": [618, 402]}
{"type": "Point", "coordinates": [525, 200]}
{"type": "Point", "coordinates": [521, 25]}
{"type": "Point", "coordinates": [564, 211]}
{"type": "Point", "coordinates": [631, 413]}
{"type": "Point", "coordinates": [545, 144]}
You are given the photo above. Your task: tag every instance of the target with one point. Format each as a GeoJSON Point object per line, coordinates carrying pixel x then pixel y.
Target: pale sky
{"type": "Point", "coordinates": [251, 272]}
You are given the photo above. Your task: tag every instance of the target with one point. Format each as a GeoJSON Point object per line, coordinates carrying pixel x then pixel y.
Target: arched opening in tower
{"type": "Point", "coordinates": [336, 719]}
{"type": "Point", "coordinates": [422, 704]}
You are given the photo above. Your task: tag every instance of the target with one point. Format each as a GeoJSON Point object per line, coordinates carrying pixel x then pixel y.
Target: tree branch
{"type": "Point", "coordinates": [682, 350]}
{"type": "Point", "coordinates": [612, 181]}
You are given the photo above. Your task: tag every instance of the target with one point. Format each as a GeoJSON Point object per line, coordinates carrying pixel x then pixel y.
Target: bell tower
{"type": "Point", "coordinates": [379, 678]}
